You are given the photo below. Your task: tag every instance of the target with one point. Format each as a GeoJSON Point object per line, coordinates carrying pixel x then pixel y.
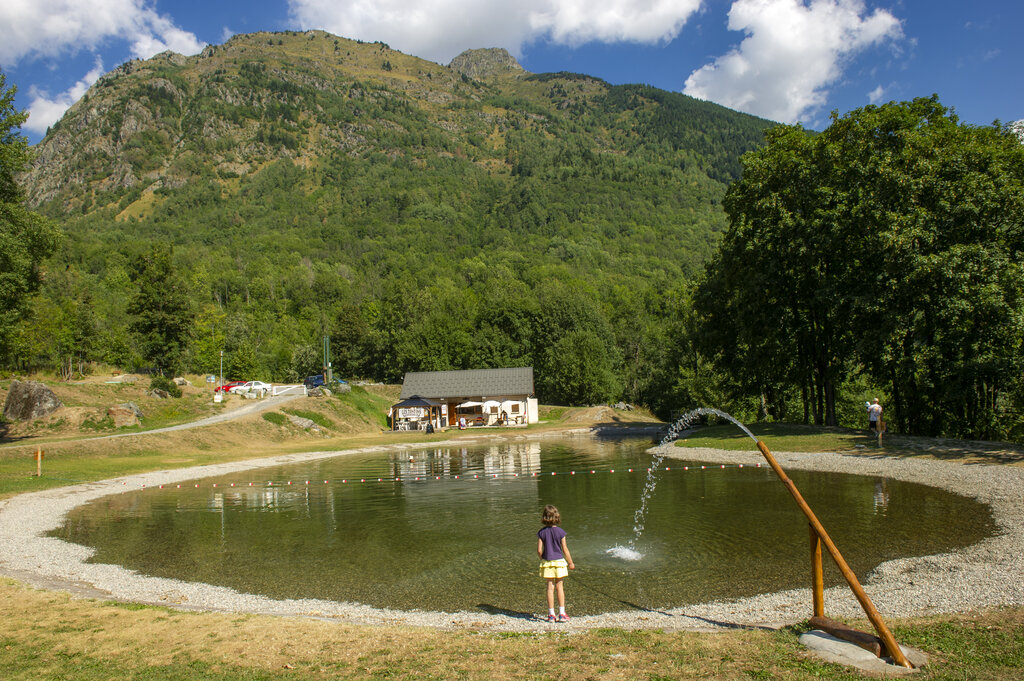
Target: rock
{"type": "Point", "coordinates": [485, 63]}
{"type": "Point", "coordinates": [158, 393]}
{"type": "Point", "coordinates": [326, 391]}
{"type": "Point", "coordinates": [30, 400]}
{"type": "Point", "coordinates": [304, 423]}
{"type": "Point", "coordinates": [134, 408]}
{"type": "Point", "coordinates": [123, 416]}
{"type": "Point", "coordinates": [181, 381]}
{"type": "Point", "coordinates": [343, 388]}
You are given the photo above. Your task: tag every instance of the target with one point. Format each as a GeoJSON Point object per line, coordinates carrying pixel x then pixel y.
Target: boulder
{"type": "Point", "coordinates": [123, 416]}
{"type": "Point", "coordinates": [134, 408]}
{"type": "Point", "coordinates": [161, 394]}
{"type": "Point", "coordinates": [181, 381]}
{"type": "Point", "coordinates": [28, 400]}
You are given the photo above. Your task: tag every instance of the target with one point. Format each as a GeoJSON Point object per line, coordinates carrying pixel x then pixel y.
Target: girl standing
{"type": "Point", "coordinates": [555, 560]}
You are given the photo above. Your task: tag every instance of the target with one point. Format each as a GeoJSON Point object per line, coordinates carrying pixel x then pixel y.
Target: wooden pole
{"type": "Point", "coordinates": [39, 462]}
{"type": "Point", "coordinates": [817, 579]}
{"type": "Point", "coordinates": [851, 579]}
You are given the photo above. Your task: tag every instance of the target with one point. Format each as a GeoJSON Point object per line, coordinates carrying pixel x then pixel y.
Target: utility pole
{"type": "Point", "coordinates": [327, 360]}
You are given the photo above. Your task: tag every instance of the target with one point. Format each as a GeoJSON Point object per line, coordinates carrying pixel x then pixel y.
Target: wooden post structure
{"type": "Point", "coordinates": [39, 462]}
{"type": "Point", "coordinates": [817, 579]}
{"type": "Point", "coordinates": [851, 579]}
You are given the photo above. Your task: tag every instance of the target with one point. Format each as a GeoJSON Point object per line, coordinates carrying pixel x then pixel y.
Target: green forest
{"type": "Point", "coordinates": [628, 243]}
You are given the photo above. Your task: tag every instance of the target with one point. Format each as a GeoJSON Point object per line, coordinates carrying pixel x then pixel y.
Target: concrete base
{"type": "Point", "coordinates": [833, 649]}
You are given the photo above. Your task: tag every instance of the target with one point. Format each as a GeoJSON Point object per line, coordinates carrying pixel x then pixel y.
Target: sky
{"type": "Point", "coordinates": [785, 60]}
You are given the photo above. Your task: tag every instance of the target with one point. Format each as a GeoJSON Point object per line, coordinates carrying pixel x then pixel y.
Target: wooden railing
{"type": "Point", "coordinates": [818, 537]}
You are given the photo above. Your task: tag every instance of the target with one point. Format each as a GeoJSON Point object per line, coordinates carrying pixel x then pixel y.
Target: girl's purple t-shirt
{"type": "Point", "coordinates": [552, 536]}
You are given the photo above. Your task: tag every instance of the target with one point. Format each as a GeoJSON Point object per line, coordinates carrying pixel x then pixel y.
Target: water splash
{"type": "Point", "coordinates": [674, 430]}
{"type": "Point", "coordinates": [624, 553]}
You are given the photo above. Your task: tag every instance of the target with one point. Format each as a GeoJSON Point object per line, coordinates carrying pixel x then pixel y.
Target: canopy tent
{"type": "Point", "coordinates": [414, 401]}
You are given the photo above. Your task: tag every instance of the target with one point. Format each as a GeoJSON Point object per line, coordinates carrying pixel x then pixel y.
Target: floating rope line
{"type": "Point", "coordinates": [282, 484]}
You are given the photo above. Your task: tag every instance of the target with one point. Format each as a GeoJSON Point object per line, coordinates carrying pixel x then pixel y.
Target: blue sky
{"type": "Point", "coordinates": [787, 60]}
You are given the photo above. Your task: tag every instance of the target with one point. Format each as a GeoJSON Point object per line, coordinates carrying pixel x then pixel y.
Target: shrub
{"type": "Point", "coordinates": [159, 382]}
{"type": "Point", "coordinates": [277, 418]}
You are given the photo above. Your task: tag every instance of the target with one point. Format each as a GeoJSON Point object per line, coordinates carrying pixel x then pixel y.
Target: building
{"type": "Point", "coordinates": [483, 397]}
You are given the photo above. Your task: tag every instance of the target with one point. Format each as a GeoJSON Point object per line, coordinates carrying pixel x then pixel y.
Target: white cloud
{"type": "Point", "coordinates": [441, 29]}
{"type": "Point", "coordinates": [44, 112]}
{"type": "Point", "coordinates": [876, 95]}
{"type": "Point", "coordinates": [793, 51]}
{"type": "Point", "coordinates": [49, 28]}
{"type": "Point", "coordinates": [580, 21]}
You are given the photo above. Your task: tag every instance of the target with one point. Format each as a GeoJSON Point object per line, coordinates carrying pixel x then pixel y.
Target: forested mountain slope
{"type": "Point", "coordinates": [425, 217]}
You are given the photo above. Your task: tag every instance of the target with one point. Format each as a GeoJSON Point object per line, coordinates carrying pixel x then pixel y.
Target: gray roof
{"type": "Point", "coordinates": [472, 383]}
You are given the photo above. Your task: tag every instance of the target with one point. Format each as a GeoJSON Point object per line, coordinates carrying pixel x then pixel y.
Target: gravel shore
{"type": "Point", "coordinates": [985, 575]}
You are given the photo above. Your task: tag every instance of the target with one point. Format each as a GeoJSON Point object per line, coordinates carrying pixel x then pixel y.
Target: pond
{"type": "Point", "coordinates": [454, 528]}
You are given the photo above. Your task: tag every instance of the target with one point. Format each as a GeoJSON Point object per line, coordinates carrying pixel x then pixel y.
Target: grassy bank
{"type": "Point", "coordinates": [49, 635]}
{"type": "Point", "coordinates": [790, 437]}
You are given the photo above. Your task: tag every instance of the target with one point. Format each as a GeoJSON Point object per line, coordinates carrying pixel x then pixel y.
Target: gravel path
{"type": "Point", "coordinates": [254, 408]}
{"type": "Point", "coordinates": [985, 575]}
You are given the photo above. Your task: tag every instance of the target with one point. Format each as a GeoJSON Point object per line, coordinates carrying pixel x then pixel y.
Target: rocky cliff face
{"type": "Point", "coordinates": [486, 63]}
{"type": "Point", "coordinates": [156, 124]}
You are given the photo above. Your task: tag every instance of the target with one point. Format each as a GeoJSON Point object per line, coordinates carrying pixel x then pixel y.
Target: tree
{"type": "Point", "coordinates": [26, 239]}
{"type": "Point", "coordinates": [890, 243]}
{"type": "Point", "coordinates": [775, 299]}
{"type": "Point", "coordinates": [161, 310]}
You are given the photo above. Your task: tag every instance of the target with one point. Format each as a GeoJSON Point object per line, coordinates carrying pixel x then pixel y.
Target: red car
{"type": "Point", "coordinates": [226, 388]}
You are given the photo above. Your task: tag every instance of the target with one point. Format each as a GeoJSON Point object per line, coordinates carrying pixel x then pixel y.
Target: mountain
{"type": "Point", "coordinates": [297, 174]}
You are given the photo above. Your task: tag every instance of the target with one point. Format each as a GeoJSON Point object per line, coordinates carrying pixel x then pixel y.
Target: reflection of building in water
{"type": "Point", "coordinates": [265, 498]}
{"type": "Point", "coordinates": [881, 500]}
{"type": "Point", "coordinates": [446, 462]}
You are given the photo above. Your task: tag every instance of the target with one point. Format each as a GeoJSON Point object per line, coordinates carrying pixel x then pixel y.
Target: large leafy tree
{"type": "Point", "coordinates": [939, 309]}
{"type": "Point", "coordinates": [26, 239]}
{"type": "Point", "coordinates": [891, 243]}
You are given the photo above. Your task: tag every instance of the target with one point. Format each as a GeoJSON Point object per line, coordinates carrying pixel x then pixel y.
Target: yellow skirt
{"type": "Point", "coordinates": [554, 569]}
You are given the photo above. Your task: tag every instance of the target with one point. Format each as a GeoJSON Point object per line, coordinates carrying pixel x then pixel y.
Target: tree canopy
{"type": "Point", "coordinates": [888, 246]}
{"type": "Point", "coordinates": [26, 238]}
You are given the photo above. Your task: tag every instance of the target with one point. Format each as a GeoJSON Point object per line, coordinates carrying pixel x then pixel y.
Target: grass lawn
{"type": "Point", "coordinates": [49, 635]}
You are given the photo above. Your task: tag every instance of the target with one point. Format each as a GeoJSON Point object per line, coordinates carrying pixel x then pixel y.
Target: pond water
{"type": "Point", "coordinates": [457, 529]}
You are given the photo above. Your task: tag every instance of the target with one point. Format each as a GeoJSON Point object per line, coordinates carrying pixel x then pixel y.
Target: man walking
{"type": "Point", "coordinates": [874, 416]}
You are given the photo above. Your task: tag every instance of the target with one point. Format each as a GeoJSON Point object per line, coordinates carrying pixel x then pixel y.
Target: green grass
{"type": "Point", "coordinates": [373, 408]}
{"type": "Point", "coordinates": [105, 423]}
{"type": "Point", "coordinates": [277, 418]}
{"type": "Point", "coordinates": [784, 437]}
{"type": "Point", "coordinates": [553, 413]}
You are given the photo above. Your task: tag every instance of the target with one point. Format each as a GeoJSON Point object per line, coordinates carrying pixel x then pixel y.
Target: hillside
{"type": "Point", "coordinates": [425, 217]}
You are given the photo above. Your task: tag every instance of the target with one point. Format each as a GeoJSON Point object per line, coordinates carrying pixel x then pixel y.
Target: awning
{"type": "Point", "coordinates": [414, 401]}
{"type": "Point", "coordinates": [471, 403]}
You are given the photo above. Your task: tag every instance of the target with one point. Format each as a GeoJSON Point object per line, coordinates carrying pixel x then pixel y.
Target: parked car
{"type": "Point", "coordinates": [252, 387]}
{"type": "Point", "coordinates": [318, 380]}
{"type": "Point", "coordinates": [226, 388]}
